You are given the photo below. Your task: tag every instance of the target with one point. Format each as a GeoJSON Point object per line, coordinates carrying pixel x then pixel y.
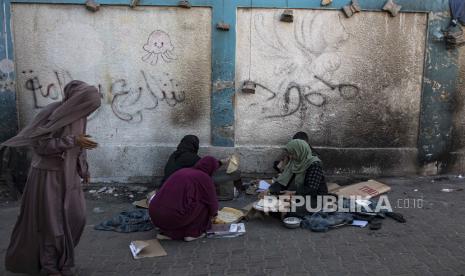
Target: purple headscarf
{"type": "Point", "coordinates": [208, 165]}
{"type": "Point", "coordinates": [80, 100]}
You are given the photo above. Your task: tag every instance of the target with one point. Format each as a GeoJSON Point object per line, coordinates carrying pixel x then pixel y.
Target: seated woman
{"type": "Point", "coordinates": [282, 162]}
{"type": "Point", "coordinates": [303, 175]}
{"type": "Point", "coordinates": [186, 204]}
{"type": "Point", "coordinates": [185, 156]}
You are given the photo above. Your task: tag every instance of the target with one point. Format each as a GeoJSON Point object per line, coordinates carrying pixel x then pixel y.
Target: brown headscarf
{"type": "Point", "coordinates": [80, 100]}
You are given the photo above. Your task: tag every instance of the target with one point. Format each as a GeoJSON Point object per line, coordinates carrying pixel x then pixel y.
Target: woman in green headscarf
{"type": "Point", "coordinates": [303, 175]}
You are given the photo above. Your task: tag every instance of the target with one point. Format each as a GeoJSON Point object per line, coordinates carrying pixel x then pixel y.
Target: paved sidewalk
{"type": "Point", "coordinates": [432, 242]}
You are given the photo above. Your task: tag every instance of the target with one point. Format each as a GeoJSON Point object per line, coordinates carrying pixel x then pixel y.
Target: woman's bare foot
{"type": "Point", "coordinates": [162, 237]}
{"type": "Point", "coordinates": [188, 239]}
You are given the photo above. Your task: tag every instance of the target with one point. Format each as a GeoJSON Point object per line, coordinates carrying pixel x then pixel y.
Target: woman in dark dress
{"type": "Point", "coordinates": [52, 216]}
{"type": "Point", "coordinates": [185, 156]}
{"type": "Point", "coordinates": [184, 207]}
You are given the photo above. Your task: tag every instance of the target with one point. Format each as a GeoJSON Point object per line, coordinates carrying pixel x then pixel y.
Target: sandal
{"type": "Point", "coordinates": [396, 216]}
{"type": "Point", "coordinates": [375, 224]}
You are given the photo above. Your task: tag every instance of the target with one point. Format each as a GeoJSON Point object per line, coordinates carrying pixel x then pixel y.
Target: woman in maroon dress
{"type": "Point", "coordinates": [52, 215]}
{"type": "Point", "coordinates": [184, 207]}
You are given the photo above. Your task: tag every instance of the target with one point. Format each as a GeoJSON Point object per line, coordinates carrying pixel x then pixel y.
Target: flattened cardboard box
{"type": "Point", "coordinates": [146, 249]}
{"type": "Point", "coordinates": [367, 189]}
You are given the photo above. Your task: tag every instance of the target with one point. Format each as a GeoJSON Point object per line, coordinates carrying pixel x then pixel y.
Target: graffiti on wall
{"type": "Point", "coordinates": [127, 103]}
{"type": "Point", "coordinates": [298, 97]}
{"type": "Point", "coordinates": [53, 91]}
{"type": "Point", "coordinates": [305, 62]}
{"type": "Point", "coordinates": [158, 48]}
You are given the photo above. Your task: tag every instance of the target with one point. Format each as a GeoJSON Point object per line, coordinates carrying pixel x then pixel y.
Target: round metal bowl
{"type": "Point", "coordinates": [292, 222]}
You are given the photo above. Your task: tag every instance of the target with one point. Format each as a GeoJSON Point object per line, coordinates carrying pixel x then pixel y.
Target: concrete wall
{"type": "Point", "coordinates": [353, 84]}
{"type": "Point", "coordinates": [151, 96]}
{"type": "Point", "coordinates": [362, 114]}
{"type": "Point", "coordinates": [370, 69]}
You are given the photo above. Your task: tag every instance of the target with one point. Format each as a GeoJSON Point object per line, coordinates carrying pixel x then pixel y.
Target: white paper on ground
{"type": "Point", "coordinates": [263, 185]}
{"type": "Point", "coordinates": [241, 227]}
{"type": "Point", "coordinates": [136, 247]}
{"type": "Point", "coordinates": [233, 228]}
{"type": "Point", "coordinates": [236, 230]}
{"type": "Point", "coordinates": [359, 223]}
{"type": "Point", "coordinates": [145, 249]}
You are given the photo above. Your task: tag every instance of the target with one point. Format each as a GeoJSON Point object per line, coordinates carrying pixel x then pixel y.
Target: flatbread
{"type": "Point", "coordinates": [228, 215]}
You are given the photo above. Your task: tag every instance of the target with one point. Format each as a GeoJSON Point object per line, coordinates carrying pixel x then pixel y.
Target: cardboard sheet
{"type": "Point", "coordinates": [367, 189]}
{"type": "Point", "coordinates": [233, 164]}
{"type": "Point", "coordinates": [146, 249]}
{"type": "Point", "coordinates": [332, 186]}
{"type": "Point", "coordinates": [141, 203]}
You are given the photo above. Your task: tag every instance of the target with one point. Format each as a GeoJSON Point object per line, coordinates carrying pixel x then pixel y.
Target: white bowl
{"type": "Point", "coordinates": [292, 222]}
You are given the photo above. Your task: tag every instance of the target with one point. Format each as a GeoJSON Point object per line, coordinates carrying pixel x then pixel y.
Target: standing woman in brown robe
{"type": "Point", "coordinates": [52, 215]}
